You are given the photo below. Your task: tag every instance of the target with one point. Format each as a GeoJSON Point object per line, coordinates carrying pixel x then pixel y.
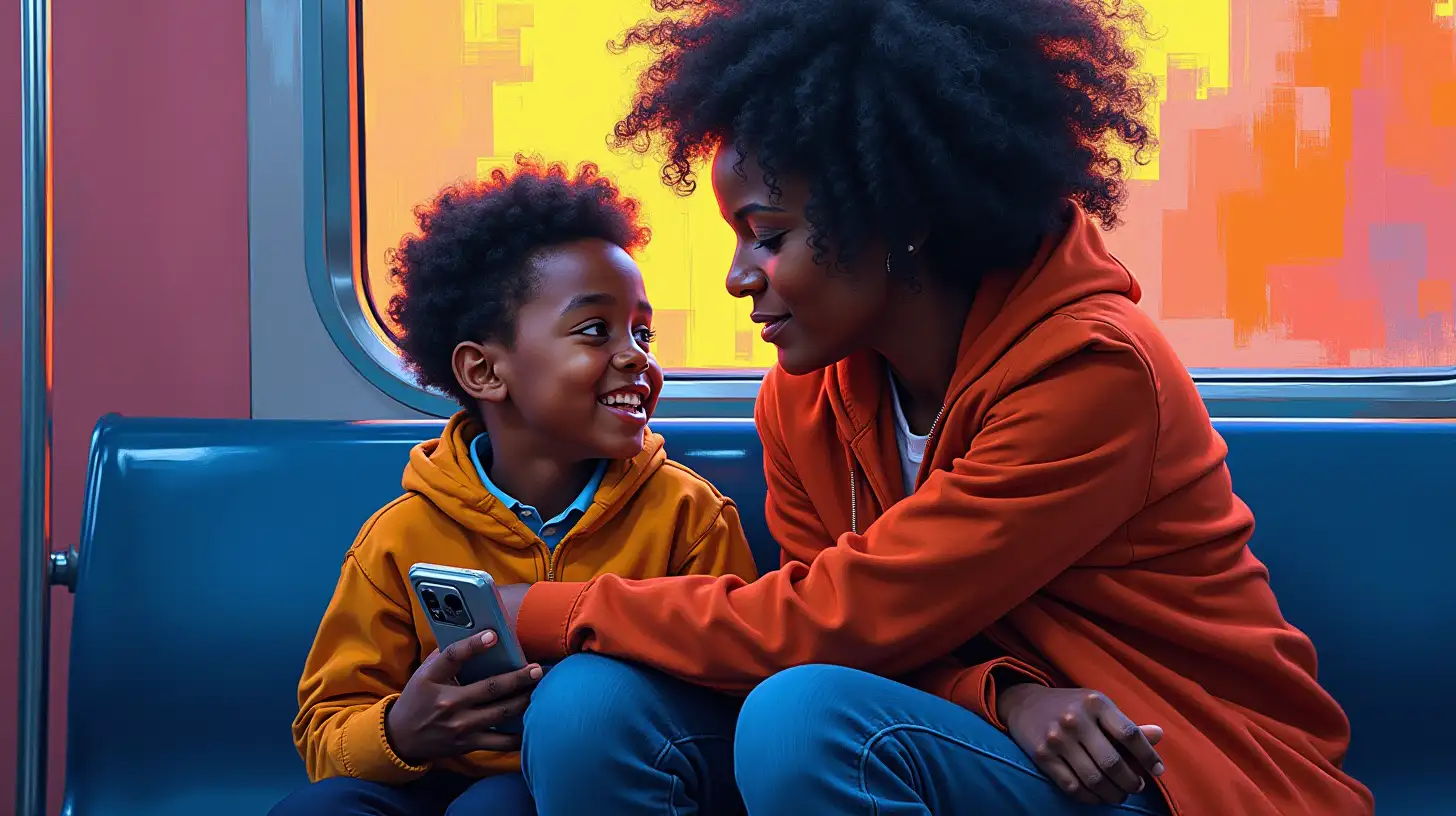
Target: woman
{"type": "Point", "coordinates": [986, 467]}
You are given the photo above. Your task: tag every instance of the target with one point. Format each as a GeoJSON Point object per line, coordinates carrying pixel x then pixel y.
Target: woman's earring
{"type": "Point", "coordinates": [909, 281]}
{"type": "Point", "coordinates": [909, 250]}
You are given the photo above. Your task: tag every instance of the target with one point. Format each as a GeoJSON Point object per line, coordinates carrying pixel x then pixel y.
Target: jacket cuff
{"type": "Point", "coordinates": [364, 750]}
{"type": "Point", "coordinates": [544, 617]}
{"type": "Point", "coordinates": [983, 680]}
{"type": "Point", "coordinates": [974, 687]}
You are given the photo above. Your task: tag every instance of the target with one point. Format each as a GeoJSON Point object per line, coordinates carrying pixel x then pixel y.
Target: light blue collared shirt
{"type": "Point", "coordinates": [551, 530]}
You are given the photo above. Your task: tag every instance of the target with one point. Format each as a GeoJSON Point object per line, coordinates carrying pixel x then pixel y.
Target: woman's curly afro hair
{"type": "Point", "coordinates": [975, 119]}
{"type": "Point", "coordinates": [468, 271]}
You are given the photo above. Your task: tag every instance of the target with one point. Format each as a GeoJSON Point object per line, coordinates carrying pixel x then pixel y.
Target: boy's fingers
{"type": "Point", "coordinates": [501, 686]}
{"type": "Point", "coordinates": [442, 666]}
{"type": "Point", "coordinates": [492, 715]}
{"type": "Point", "coordinates": [493, 741]}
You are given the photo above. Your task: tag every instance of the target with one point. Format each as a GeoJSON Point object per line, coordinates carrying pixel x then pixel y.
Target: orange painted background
{"type": "Point", "coordinates": [1300, 213]}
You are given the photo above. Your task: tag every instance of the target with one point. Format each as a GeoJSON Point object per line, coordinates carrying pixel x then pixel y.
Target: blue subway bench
{"type": "Point", "coordinates": [210, 549]}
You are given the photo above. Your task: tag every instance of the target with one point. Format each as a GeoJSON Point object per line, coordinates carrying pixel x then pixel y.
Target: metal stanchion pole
{"type": "Point", "coordinates": [35, 496]}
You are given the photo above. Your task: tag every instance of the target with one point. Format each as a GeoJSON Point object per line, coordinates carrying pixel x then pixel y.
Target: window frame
{"type": "Point", "coordinates": [330, 62]}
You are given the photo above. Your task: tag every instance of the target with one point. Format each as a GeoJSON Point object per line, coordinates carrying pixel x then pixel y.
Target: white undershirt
{"type": "Point", "coordinates": [911, 445]}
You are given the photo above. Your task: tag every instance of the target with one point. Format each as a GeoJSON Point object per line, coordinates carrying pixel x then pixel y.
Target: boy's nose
{"type": "Point", "coordinates": [630, 358]}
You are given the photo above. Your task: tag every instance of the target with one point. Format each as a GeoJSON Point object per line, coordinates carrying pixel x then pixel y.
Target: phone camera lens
{"type": "Point", "coordinates": [430, 600]}
{"type": "Point", "coordinates": [453, 604]}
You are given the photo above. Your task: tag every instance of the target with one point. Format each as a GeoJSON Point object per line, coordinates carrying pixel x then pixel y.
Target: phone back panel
{"type": "Point", "coordinates": [465, 604]}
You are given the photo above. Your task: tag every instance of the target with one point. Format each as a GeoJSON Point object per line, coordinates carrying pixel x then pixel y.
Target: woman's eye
{"type": "Point", "coordinates": [593, 330]}
{"type": "Point", "coordinates": [646, 336]}
{"type": "Point", "coordinates": [772, 243]}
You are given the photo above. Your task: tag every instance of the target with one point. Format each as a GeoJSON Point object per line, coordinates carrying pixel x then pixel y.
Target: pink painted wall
{"type": "Point", "coordinates": [151, 253]}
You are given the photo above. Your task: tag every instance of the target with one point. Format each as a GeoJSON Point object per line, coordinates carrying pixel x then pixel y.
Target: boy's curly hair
{"type": "Point", "coordinates": [974, 118]}
{"type": "Point", "coordinates": [467, 272]}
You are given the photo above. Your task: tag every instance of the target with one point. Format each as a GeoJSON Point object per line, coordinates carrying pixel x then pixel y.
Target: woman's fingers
{"type": "Point", "coordinates": [1112, 724]}
{"type": "Point", "coordinates": [1154, 733]}
{"type": "Point", "coordinates": [1108, 760]}
{"type": "Point", "coordinates": [1049, 760]}
{"type": "Point", "coordinates": [1093, 777]}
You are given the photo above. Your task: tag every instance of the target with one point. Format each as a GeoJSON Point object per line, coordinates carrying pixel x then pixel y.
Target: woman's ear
{"type": "Point", "coordinates": [476, 370]}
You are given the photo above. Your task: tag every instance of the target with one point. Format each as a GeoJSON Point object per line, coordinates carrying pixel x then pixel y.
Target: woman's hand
{"type": "Point", "coordinates": [1079, 739]}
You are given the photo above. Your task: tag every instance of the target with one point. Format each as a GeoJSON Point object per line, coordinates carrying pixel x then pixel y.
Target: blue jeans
{"type": "Point", "coordinates": [608, 737]}
{"type": "Point", "coordinates": [435, 794]}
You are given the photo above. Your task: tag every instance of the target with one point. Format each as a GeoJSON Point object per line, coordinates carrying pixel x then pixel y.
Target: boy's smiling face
{"type": "Point", "coordinates": [579, 375]}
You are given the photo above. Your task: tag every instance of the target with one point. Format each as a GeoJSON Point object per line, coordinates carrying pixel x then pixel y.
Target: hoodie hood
{"type": "Point", "coordinates": [1008, 304]}
{"type": "Point", "coordinates": [441, 471]}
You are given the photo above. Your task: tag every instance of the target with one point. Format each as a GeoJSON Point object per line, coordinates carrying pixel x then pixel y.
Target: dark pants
{"type": "Point", "coordinates": [606, 737]}
{"type": "Point", "coordinates": [436, 794]}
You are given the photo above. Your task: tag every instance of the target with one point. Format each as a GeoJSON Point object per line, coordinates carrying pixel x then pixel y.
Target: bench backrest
{"type": "Point", "coordinates": [210, 549]}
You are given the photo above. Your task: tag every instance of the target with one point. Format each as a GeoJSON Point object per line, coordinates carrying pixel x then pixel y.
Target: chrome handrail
{"type": "Point", "coordinates": [35, 450]}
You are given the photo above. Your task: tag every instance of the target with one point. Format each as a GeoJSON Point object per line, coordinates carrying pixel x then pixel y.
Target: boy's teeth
{"type": "Point", "coordinates": [627, 400]}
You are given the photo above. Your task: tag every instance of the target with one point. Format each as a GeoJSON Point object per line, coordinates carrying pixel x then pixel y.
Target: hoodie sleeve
{"type": "Point", "coordinates": [1061, 463]}
{"type": "Point", "coordinates": [975, 687]}
{"type": "Point", "coordinates": [720, 547]}
{"type": "Point", "coordinates": [361, 658]}
{"type": "Point", "coordinates": [791, 517]}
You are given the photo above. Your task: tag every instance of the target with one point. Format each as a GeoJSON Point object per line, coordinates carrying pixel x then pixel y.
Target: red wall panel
{"type": "Point", "coordinates": [151, 250]}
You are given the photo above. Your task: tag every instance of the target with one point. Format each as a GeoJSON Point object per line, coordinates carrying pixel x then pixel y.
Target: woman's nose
{"type": "Point", "coordinates": [745, 280]}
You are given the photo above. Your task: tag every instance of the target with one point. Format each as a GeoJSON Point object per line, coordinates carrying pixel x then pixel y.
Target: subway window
{"type": "Point", "coordinates": [1295, 219]}
{"type": "Point", "coordinates": [455, 89]}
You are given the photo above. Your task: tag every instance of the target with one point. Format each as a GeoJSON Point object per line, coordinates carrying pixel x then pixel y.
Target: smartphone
{"type": "Point", "coordinates": [463, 603]}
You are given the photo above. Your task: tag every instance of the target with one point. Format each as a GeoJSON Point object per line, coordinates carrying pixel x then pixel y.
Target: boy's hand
{"type": "Point", "coordinates": [435, 717]}
{"type": "Point", "coordinates": [1081, 740]}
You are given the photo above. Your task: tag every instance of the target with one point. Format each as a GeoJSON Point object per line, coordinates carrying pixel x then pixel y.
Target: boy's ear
{"type": "Point", "coordinates": [476, 370]}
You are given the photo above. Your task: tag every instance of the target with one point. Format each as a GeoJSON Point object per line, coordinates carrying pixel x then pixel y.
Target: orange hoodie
{"type": "Point", "coordinates": [650, 517]}
{"type": "Point", "coordinates": [1074, 524]}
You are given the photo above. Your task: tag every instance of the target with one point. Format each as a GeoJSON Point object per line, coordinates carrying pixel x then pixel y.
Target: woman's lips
{"type": "Point", "coordinates": [775, 327]}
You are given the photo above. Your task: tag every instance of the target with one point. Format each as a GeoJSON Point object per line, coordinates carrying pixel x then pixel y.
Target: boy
{"type": "Point", "coordinates": [520, 299]}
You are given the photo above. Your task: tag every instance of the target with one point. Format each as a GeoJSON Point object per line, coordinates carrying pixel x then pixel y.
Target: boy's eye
{"type": "Point", "coordinates": [772, 243]}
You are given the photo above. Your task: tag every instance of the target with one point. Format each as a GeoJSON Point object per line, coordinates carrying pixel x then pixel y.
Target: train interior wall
{"type": "Point", "coordinates": [171, 297]}
{"type": "Point", "coordinates": [151, 279]}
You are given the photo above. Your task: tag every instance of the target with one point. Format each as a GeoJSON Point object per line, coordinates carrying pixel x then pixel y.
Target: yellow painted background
{"type": "Point", "coordinates": [455, 87]}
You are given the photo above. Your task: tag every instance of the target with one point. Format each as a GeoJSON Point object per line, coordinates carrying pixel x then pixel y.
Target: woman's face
{"type": "Point", "coordinates": [815, 314]}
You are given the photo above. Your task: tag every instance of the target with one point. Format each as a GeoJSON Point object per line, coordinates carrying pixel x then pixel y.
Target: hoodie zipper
{"type": "Point", "coordinates": [854, 489]}
{"type": "Point", "coordinates": [552, 553]}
